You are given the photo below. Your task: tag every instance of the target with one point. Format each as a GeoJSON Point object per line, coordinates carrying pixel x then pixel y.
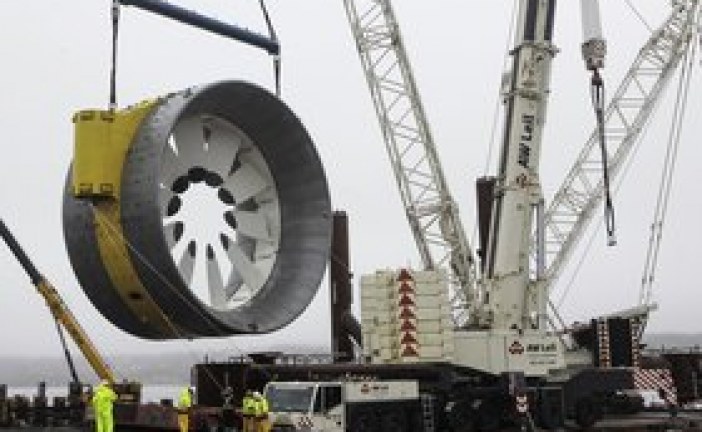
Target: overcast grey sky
{"type": "Point", "coordinates": [55, 61]}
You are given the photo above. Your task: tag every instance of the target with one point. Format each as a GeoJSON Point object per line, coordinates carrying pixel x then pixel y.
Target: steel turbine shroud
{"type": "Point", "coordinates": [224, 214]}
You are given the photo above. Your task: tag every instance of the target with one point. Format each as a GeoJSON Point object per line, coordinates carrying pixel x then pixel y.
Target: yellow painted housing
{"type": "Point", "coordinates": [102, 139]}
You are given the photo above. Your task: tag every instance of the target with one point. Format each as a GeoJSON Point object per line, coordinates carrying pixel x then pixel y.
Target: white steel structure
{"type": "Point", "coordinates": [576, 201]}
{"type": "Point", "coordinates": [508, 303]}
{"type": "Point", "coordinates": [431, 211]}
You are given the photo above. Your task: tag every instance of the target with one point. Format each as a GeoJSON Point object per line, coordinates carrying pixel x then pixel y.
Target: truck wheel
{"type": "Point", "coordinates": [587, 412]}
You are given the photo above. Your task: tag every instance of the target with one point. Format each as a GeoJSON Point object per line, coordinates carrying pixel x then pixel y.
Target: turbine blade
{"type": "Point", "coordinates": [214, 280]}
{"type": "Point", "coordinates": [186, 264]}
{"type": "Point", "coordinates": [189, 136]}
{"type": "Point", "coordinates": [222, 148]}
{"type": "Point", "coordinates": [243, 265]}
{"type": "Point", "coordinates": [245, 182]}
{"type": "Point", "coordinates": [253, 224]}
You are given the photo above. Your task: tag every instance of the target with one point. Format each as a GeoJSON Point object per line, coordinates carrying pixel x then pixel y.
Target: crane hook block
{"type": "Point", "coordinates": [202, 213]}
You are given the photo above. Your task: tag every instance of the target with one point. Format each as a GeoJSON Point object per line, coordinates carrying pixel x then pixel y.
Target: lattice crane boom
{"type": "Point", "coordinates": [429, 207]}
{"type": "Point", "coordinates": [575, 202]}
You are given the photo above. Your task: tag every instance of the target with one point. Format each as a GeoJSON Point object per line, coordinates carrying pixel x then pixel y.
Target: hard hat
{"type": "Point", "coordinates": [256, 394]}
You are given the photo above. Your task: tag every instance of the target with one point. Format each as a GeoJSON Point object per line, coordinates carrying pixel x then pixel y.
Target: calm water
{"type": "Point", "coordinates": [150, 393]}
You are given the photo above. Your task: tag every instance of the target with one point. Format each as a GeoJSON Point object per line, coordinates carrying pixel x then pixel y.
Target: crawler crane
{"type": "Point", "coordinates": [524, 244]}
{"type": "Point", "coordinates": [509, 366]}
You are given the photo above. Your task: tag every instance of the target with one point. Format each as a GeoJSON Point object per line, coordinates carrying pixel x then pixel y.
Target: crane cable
{"type": "Point", "coordinates": [590, 241]}
{"type": "Point", "coordinates": [597, 93]}
{"type": "Point", "coordinates": [496, 113]}
{"type": "Point", "coordinates": [274, 36]}
{"type": "Point", "coordinates": [115, 18]}
{"type": "Point", "coordinates": [665, 187]}
{"type": "Point", "coordinates": [67, 352]}
{"type": "Point", "coordinates": [113, 63]}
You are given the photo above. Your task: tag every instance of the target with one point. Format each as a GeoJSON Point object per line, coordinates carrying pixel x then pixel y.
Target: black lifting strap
{"type": "Point", "coordinates": [113, 68]}
{"type": "Point", "coordinates": [598, 101]}
{"type": "Point", "coordinates": [67, 353]}
{"type": "Point", "coordinates": [273, 36]}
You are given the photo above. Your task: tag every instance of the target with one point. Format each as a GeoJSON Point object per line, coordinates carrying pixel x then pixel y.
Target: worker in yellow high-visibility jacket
{"type": "Point", "coordinates": [103, 400]}
{"type": "Point", "coordinates": [263, 424]}
{"type": "Point", "coordinates": [185, 402]}
{"type": "Point", "coordinates": [248, 411]}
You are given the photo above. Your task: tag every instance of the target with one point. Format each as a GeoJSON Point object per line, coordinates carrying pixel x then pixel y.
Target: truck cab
{"type": "Point", "coordinates": [344, 406]}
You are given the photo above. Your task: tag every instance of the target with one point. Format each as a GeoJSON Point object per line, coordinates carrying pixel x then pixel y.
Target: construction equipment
{"type": "Point", "coordinates": [127, 230]}
{"type": "Point", "coordinates": [59, 310]}
{"type": "Point", "coordinates": [430, 209]}
{"type": "Point", "coordinates": [632, 104]}
{"type": "Point", "coordinates": [344, 405]}
{"type": "Point", "coordinates": [523, 247]}
{"type": "Point", "coordinates": [172, 11]}
{"type": "Point", "coordinates": [504, 306]}
{"type": "Point", "coordinates": [502, 364]}
{"type": "Point", "coordinates": [205, 213]}
{"type": "Point", "coordinates": [202, 213]}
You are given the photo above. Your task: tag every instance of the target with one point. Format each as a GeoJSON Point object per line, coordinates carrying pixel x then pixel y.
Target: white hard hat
{"type": "Point", "coordinates": [256, 394]}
